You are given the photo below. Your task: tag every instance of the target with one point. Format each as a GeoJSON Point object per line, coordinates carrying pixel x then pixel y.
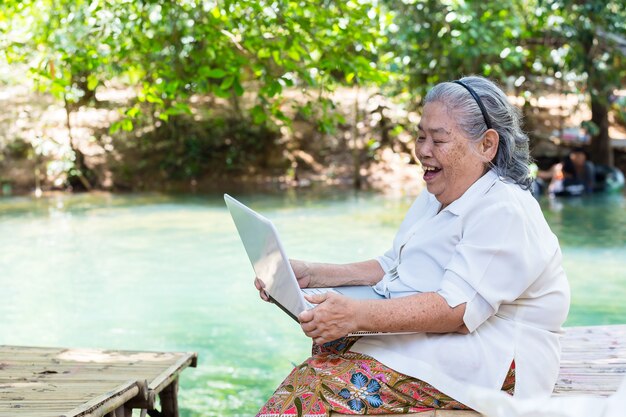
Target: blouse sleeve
{"type": "Point", "coordinates": [387, 260]}
{"type": "Point", "coordinates": [496, 260]}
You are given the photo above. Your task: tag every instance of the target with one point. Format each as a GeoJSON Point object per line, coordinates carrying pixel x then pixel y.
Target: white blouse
{"type": "Point", "coordinates": [493, 250]}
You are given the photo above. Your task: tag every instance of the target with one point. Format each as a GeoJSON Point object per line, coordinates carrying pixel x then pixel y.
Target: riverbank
{"type": "Point", "coordinates": [371, 150]}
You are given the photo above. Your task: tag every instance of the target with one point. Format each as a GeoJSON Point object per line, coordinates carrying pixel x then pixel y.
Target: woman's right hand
{"type": "Point", "coordinates": [301, 270]}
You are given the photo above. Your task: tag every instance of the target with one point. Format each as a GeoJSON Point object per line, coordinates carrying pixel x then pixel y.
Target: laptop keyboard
{"type": "Point", "coordinates": [319, 290]}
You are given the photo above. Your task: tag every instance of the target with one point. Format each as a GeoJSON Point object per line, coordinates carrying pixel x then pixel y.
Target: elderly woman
{"type": "Point", "coordinates": [474, 276]}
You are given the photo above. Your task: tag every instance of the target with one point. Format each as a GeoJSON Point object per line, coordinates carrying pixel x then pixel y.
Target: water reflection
{"type": "Point", "coordinates": [591, 221]}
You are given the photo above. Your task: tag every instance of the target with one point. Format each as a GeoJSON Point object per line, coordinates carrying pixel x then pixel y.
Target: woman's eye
{"type": "Point", "coordinates": [420, 139]}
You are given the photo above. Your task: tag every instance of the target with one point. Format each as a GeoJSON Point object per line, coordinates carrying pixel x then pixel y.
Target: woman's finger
{"type": "Point", "coordinates": [308, 328]}
{"type": "Point", "coordinates": [259, 284]}
{"type": "Point", "coordinates": [313, 334]}
{"type": "Point", "coordinates": [316, 298]}
{"type": "Point", "coordinates": [320, 340]}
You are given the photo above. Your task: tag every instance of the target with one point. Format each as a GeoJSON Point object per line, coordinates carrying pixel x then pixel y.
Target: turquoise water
{"type": "Point", "coordinates": [156, 272]}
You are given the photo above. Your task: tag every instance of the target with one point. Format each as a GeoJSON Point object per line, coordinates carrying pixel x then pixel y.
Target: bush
{"type": "Point", "coordinates": [185, 150]}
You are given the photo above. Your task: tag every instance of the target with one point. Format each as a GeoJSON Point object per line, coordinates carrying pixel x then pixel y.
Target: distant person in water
{"type": "Point", "coordinates": [574, 176]}
{"type": "Point", "coordinates": [474, 274]}
{"type": "Point", "coordinates": [578, 170]}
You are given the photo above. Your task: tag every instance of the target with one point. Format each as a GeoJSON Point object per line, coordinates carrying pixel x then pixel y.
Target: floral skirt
{"type": "Point", "coordinates": [337, 380]}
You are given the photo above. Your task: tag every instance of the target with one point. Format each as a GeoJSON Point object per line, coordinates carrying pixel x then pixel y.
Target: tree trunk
{"type": "Point", "coordinates": [356, 148]}
{"type": "Point", "coordinates": [80, 167]}
{"type": "Point", "coordinates": [601, 151]}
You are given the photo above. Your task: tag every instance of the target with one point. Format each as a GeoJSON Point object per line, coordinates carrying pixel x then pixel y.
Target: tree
{"type": "Point", "coordinates": [590, 39]}
{"type": "Point", "coordinates": [172, 50]}
{"type": "Point", "coordinates": [435, 41]}
{"type": "Point", "coordinates": [529, 39]}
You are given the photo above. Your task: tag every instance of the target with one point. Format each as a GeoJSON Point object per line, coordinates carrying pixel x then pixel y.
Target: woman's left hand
{"type": "Point", "coordinates": [333, 317]}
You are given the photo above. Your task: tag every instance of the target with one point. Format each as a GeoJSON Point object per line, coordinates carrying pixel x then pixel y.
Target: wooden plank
{"type": "Point", "coordinates": [455, 413]}
{"type": "Point", "coordinates": [94, 407]}
{"type": "Point", "coordinates": [50, 382]}
{"type": "Point", "coordinates": [172, 372]}
{"type": "Point", "coordinates": [106, 402]}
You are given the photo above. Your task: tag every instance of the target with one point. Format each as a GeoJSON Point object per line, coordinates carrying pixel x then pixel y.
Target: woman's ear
{"type": "Point", "coordinates": [489, 144]}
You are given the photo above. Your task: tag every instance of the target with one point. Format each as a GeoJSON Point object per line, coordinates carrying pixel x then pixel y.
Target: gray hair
{"type": "Point", "coordinates": [513, 158]}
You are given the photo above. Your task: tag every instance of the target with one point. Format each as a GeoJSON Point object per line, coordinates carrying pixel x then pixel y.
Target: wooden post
{"type": "Point", "coordinates": [128, 411]}
{"type": "Point", "coordinates": [122, 411]}
{"type": "Point", "coordinates": [169, 400]}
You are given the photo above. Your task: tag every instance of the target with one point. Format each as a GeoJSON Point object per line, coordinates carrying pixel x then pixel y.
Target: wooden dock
{"type": "Point", "coordinates": [55, 382]}
{"type": "Point", "coordinates": [593, 362]}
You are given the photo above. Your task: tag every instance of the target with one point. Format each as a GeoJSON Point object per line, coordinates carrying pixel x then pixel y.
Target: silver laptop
{"type": "Point", "coordinates": [271, 264]}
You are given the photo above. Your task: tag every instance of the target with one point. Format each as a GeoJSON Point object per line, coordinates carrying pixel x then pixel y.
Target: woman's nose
{"type": "Point", "coordinates": [423, 149]}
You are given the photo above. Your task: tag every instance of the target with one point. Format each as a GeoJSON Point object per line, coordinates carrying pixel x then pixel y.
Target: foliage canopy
{"type": "Point", "coordinates": [252, 53]}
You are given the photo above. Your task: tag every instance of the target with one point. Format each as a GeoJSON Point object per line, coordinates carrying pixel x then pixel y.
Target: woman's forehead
{"type": "Point", "coordinates": [436, 126]}
{"type": "Point", "coordinates": [436, 119]}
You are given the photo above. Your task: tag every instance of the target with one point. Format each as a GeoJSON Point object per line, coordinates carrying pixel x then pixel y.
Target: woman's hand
{"type": "Point", "coordinates": [335, 316]}
{"type": "Point", "coordinates": [302, 271]}
{"type": "Point", "coordinates": [260, 285]}
{"type": "Point", "coordinates": [332, 318]}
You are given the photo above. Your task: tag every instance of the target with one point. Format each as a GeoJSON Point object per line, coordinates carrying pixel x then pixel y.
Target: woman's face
{"type": "Point", "coordinates": [450, 161]}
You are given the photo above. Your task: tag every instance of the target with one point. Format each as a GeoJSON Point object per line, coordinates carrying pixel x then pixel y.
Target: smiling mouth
{"type": "Point", "coordinates": [430, 172]}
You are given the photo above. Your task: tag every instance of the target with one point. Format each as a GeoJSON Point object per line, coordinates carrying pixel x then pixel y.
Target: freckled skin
{"type": "Point", "coordinates": [336, 315]}
{"type": "Point", "coordinates": [440, 144]}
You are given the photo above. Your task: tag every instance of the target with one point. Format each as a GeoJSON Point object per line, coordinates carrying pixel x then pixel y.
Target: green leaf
{"type": "Point", "coordinates": [181, 108]}
{"type": "Point", "coordinates": [277, 58]}
{"type": "Point", "coordinates": [273, 89]}
{"type": "Point", "coordinates": [215, 73]}
{"type": "Point", "coordinates": [306, 110]}
{"type": "Point", "coordinates": [293, 54]}
{"type": "Point", "coordinates": [221, 93]}
{"type": "Point", "coordinates": [127, 125]}
{"type": "Point", "coordinates": [115, 126]}
{"type": "Point", "coordinates": [258, 115]}
{"type": "Point", "coordinates": [152, 98]}
{"type": "Point", "coordinates": [228, 81]}
{"type": "Point", "coordinates": [263, 53]}
{"type": "Point", "coordinates": [298, 403]}
{"type": "Point", "coordinates": [281, 116]}
{"type": "Point", "coordinates": [133, 112]}
{"type": "Point", "coordinates": [326, 126]}
{"type": "Point", "coordinates": [134, 74]}
{"type": "Point", "coordinates": [92, 82]}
